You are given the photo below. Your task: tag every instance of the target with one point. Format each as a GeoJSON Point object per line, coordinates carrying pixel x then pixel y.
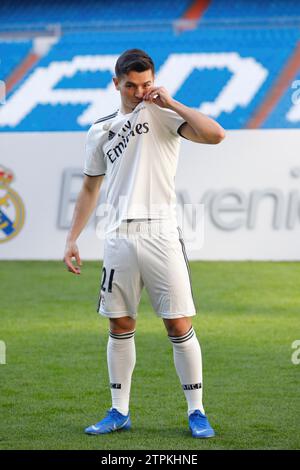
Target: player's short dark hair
{"type": "Point", "coordinates": [133, 60]}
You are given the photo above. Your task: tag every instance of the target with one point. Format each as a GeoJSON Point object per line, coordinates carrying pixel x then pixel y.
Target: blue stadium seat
{"type": "Point", "coordinates": [11, 54]}
{"type": "Point", "coordinates": [68, 11]}
{"type": "Point", "coordinates": [254, 9]}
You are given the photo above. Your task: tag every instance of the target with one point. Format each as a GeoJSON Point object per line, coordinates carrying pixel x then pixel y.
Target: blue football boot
{"type": "Point", "coordinates": [199, 425]}
{"type": "Point", "coordinates": [113, 421]}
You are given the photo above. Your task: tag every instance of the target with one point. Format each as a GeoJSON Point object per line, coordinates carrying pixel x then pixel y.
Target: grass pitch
{"type": "Point", "coordinates": [55, 382]}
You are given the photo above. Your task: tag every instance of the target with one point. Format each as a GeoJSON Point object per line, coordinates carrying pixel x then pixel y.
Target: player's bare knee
{"type": "Point", "coordinates": [121, 325]}
{"type": "Point", "coordinates": [178, 326]}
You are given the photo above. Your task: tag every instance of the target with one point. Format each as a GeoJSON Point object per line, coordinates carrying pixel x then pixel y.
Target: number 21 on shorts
{"type": "Point", "coordinates": [110, 280]}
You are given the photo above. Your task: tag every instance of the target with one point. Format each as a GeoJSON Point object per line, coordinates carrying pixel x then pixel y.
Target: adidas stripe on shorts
{"type": "Point", "coordinates": [146, 253]}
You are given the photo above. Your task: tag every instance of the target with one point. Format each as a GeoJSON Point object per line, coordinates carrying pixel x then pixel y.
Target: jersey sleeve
{"type": "Point", "coordinates": [94, 161]}
{"type": "Point", "coordinates": [168, 118]}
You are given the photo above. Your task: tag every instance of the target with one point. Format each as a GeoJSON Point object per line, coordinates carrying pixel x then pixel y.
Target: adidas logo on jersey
{"type": "Point", "coordinates": [111, 135]}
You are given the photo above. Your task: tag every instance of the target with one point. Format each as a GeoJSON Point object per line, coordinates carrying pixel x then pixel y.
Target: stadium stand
{"type": "Point", "coordinates": [74, 11]}
{"type": "Point", "coordinates": [223, 30]}
{"type": "Point", "coordinates": [257, 10]}
{"type": "Point", "coordinates": [11, 54]}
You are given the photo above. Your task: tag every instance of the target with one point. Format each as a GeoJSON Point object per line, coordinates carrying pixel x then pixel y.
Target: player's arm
{"type": "Point", "coordinates": [198, 127]}
{"type": "Point", "coordinates": [85, 204]}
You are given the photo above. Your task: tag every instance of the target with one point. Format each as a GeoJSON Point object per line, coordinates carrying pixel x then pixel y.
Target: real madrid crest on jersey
{"type": "Point", "coordinates": [11, 207]}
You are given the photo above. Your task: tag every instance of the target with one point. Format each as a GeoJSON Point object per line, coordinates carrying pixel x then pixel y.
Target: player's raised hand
{"type": "Point", "coordinates": [71, 252]}
{"type": "Point", "coordinates": [160, 96]}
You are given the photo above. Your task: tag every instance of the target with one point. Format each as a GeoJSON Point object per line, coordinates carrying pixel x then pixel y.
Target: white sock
{"type": "Point", "coordinates": [188, 364]}
{"type": "Point", "coordinates": [120, 361]}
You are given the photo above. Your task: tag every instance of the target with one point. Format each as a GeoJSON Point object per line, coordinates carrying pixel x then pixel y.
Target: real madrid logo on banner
{"type": "Point", "coordinates": [11, 207]}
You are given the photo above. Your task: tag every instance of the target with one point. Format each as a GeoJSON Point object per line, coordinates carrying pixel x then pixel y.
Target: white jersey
{"type": "Point", "coordinates": [138, 152]}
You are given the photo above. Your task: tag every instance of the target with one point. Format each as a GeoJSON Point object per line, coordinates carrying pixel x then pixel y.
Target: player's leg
{"type": "Point", "coordinates": [187, 360]}
{"type": "Point", "coordinates": [121, 358]}
{"type": "Point", "coordinates": [167, 281]}
{"type": "Point", "coordinates": [121, 287]}
{"type": "Point", "coordinates": [188, 365]}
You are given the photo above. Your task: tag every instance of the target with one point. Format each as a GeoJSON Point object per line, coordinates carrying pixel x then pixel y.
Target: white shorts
{"type": "Point", "coordinates": [151, 254]}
